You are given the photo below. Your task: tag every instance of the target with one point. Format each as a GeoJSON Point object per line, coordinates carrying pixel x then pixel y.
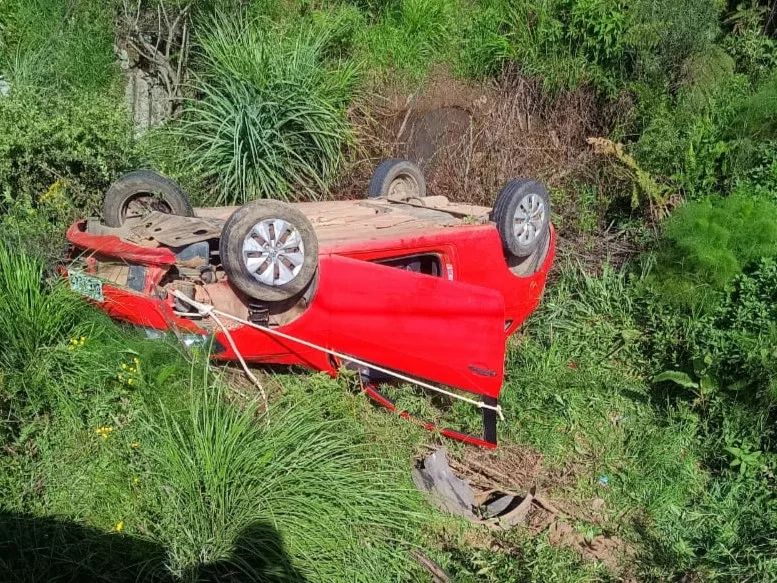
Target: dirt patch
{"type": "Point", "coordinates": [609, 550]}
{"type": "Point", "coordinates": [471, 139]}
{"type": "Point", "coordinates": [519, 469]}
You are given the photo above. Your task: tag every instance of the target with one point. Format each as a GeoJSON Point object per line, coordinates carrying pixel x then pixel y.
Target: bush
{"type": "Point", "coordinates": [566, 42]}
{"type": "Point", "coordinates": [665, 33]}
{"type": "Point", "coordinates": [738, 342]}
{"type": "Point", "coordinates": [270, 118]}
{"type": "Point", "coordinates": [77, 145]}
{"type": "Point", "coordinates": [709, 242]}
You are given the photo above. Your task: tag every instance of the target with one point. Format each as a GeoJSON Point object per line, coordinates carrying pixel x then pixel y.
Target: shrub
{"type": "Point", "coordinates": [78, 144]}
{"type": "Point", "coordinates": [738, 342]}
{"type": "Point", "coordinates": [566, 42]}
{"type": "Point", "coordinates": [665, 33]}
{"type": "Point", "coordinates": [709, 242]}
{"type": "Point", "coordinates": [270, 118]}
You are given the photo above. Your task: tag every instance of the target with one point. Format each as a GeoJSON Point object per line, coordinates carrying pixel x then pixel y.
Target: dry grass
{"type": "Point", "coordinates": [472, 139]}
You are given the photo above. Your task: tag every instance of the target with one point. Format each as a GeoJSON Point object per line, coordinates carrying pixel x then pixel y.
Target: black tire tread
{"type": "Point", "coordinates": [388, 170]}
{"type": "Point", "coordinates": [141, 181]}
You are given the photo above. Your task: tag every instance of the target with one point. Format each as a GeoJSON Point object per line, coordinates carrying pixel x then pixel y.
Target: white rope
{"type": "Point", "coordinates": [207, 310]}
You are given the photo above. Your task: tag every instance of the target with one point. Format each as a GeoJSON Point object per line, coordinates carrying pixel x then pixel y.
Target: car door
{"type": "Point", "coordinates": [429, 327]}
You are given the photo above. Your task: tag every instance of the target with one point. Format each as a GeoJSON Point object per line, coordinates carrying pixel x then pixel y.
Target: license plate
{"type": "Point", "coordinates": [86, 285]}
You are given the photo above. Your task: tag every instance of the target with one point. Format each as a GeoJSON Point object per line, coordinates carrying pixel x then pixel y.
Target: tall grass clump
{"type": "Point", "coordinates": [269, 120]}
{"type": "Point", "coordinates": [411, 36]}
{"type": "Point", "coordinates": [288, 494]}
{"type": "Point", "coordinates": [34, 314]}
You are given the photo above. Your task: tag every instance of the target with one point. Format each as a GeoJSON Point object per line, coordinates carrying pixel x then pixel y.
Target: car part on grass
{"type": "Point", "coordinates": [137, 194]}
{"type": "Point", "coordinates": [522, 216]}
{"type": "Point", "coordinates": [397, 180]}
{"type": "Point", "coordinates": [269, 250]}
{"type": "Point", "coordinates": [451, 494]}
{"type": "Point", "coordinates": [447, 492]}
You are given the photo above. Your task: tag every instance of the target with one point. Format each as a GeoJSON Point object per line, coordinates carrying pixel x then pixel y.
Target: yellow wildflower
{"type": "Point", "coordinates": [135, 444]}
{"type": "Point", "coordinates": [119, 526]}
{"type": "Point", "coordinates": [104, 431]}
{"type": "Point", "coordinates": [135, 480]}
{"type": "Point", "coordinates": [130, 381]}
{"type": "Point", "coordinates": [123, 366]}
{"type": "Point", "coordinates": [136, 360]}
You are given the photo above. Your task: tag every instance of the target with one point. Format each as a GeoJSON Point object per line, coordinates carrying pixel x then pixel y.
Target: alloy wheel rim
{"type": "Point", "coordinates": [529, 219]}
{"type": "Point", "coordinates": [273, 252]}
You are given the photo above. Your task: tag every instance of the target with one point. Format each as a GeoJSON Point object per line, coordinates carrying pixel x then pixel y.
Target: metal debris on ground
{"type": "Point", "coordinates": [449, 493]}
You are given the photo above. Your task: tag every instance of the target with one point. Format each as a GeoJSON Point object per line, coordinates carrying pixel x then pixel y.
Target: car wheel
{"type": "Point", "coordinates": [269, 250]}
{"type": "Point", "coordinates": [522, 216]}
{"type": "Point", "coordinates": [398, 180]}
{"type": "Point", "coordinates": [138, 194]}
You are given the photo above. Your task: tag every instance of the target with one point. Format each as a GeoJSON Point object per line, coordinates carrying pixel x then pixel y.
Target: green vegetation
{"type": "Point", "coordinates": [162, 456]}
{"type": "Point", "coordinates": [646, 383]}
{"type": "Point", "coordinates": [270, 117]}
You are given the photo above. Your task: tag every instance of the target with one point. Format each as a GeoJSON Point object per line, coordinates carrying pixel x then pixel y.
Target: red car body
{"type": "Point", "coordinates": [450, 328]}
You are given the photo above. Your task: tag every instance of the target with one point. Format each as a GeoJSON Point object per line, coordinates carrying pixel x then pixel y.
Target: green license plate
{"type": "Point", "coordinates": [86, 285]}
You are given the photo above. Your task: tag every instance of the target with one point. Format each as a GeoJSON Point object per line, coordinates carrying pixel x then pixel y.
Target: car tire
{"type": "Point", "coordinates": [143, 190]}
{"type": "Point", "coordinates": [400, 179]}
{"type": "Point", "coordinates": [278, 273]}
{"type": "Point", "coordinates": [522, 216]}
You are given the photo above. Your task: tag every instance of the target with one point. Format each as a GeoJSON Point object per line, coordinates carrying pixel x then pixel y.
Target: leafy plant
{"type": "Point", "coordinates": [270, 117]}
{"type": "Point", "coordinates": [709, 242]}
{"type": "Point", "coordinates": [65, 148]}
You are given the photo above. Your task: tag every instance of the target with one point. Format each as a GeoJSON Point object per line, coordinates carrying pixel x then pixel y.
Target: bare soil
{"type": "Point", "coordinates": [470, 140]}
{"type": "Point", "coordinates": [518, 469]}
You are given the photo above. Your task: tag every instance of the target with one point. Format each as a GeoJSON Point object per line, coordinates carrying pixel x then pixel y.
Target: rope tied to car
{"type": "Point", "coordinates": [210, 312]}
{"type": "Point", "coordinates": [206, 310]}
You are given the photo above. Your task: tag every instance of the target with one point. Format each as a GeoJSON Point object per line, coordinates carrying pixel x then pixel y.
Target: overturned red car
{"type": "Point", "coordinates": [399, 280]}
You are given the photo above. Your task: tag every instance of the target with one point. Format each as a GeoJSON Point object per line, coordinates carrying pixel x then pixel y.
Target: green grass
{"type": "Point", "coordinates": [128, 438]}
{"type": "Point", "coordinates": [410, 37]}
{"type": "Point", "coordinates": [57, 45]}
{"type": "Point", "coordinates": [190, 483]}
{"type": "Point", "coordinates": [269, 121]}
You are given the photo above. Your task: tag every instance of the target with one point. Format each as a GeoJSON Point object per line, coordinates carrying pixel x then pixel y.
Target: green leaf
{"type": "Point", "coordinates": [676, 377]}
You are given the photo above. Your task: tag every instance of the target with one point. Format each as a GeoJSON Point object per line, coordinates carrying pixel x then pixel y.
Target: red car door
{"type": "Point", "coordinates": [444, 331]}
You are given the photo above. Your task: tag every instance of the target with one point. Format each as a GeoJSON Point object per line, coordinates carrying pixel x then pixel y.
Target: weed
{"type": "Point", "coordinates": [270, 120]}
{"type": "Point", "coordinates": [710, 242]}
